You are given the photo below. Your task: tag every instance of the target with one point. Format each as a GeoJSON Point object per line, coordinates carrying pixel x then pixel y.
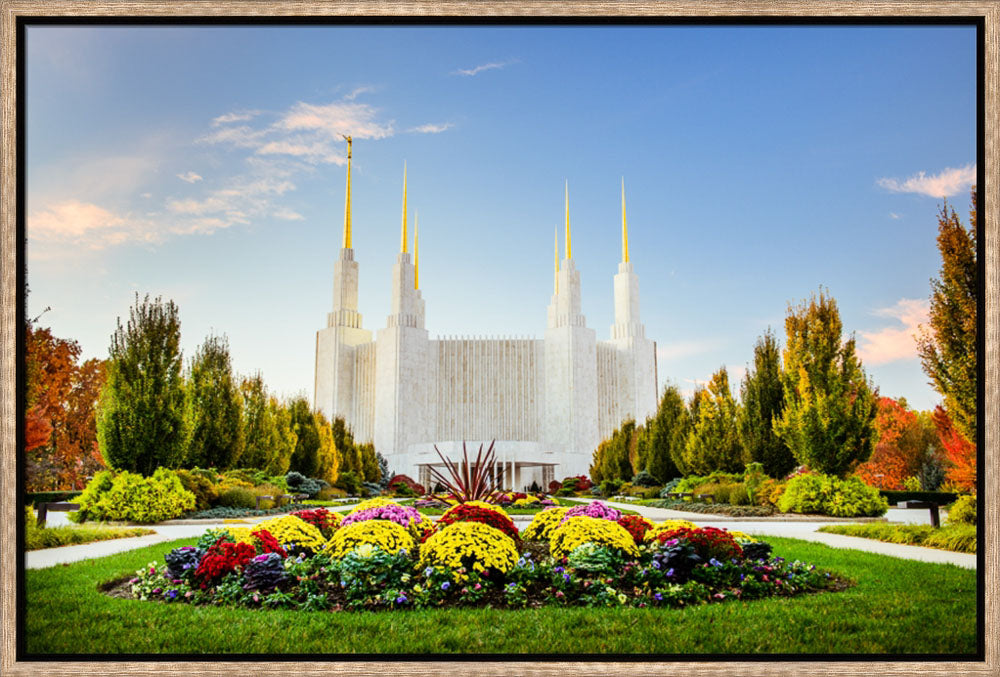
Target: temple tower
{"type": "Point", "coordinates": [570, 420]}
{"type": "Point", "coordinates": [334, 389]}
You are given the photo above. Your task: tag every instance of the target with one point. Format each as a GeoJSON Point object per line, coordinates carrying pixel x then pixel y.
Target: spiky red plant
{"type": "Point", "coordinates": [470, 481]}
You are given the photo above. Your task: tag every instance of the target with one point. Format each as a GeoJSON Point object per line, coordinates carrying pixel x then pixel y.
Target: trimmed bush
{"type": "Point", "coordinates": [134, 498]}
{"type": "Point", "coordinates": [237, 497]}
{"type": "Point", "coordinates": [829, 495]}
{"type": "Point", "coordinates": [964, 511]}
{"type": "Point", "coordinates": [198, 484]}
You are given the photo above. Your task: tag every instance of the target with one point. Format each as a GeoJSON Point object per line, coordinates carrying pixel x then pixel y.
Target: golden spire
{"type": "Point", "coordinates": [557, 258]}
{"type": "Point", "coordinates": [347, 203]}
{"type": "Point", "coordinates": [624, 226]}
{"type": "Point", "coordinates": [416, 250]}
{"type": "Point", "coordinates": [569, 248]}
{"type": "Point", "coordinates": [403, 239]}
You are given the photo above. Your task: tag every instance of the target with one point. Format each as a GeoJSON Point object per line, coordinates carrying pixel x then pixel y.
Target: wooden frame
{"type": "Point", "coordinates": [12, 9]}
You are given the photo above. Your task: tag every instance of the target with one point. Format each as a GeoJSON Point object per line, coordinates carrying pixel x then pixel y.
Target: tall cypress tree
{"type": "Point", "coordinates": [713, 443]}
{"type": "Point", "coordinates": [140, 421]}
{"type": "Point", "coordinates": [259, 426]}
{"type": "Point", "coordinates": [829, 416]}
{"type": "Point", "coordinates": [763, 399]}
{"type": "Point", "coordinates": [306, 456]}
{"type": "Point", "coordinates": [214, 408]}
{"type": "Point", "coordinates": [611, 460]}
{"type": "Point", "coordinates": [666, 434]}
{"type": "Point", "coordinates": [948, 348]}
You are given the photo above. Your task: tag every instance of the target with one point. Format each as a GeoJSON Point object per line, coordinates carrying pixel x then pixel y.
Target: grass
{"type": "Point", "coordinates": [954, 537]}
{"type": "Point", "coordinates": [897, 607]}
{"type": "Point", "coordinates": [53, 537]}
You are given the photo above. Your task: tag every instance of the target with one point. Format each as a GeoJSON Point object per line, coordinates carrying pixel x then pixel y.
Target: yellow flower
{"type": "Point", "coordinates": [742, 537]}
{"type": "Point", "coordinates": [289, 530]}
{"type": "Point", "coordinates": [576, 531]}
{"type": "Point", "coordinates": [382, 534]}
{"type": "Point", "coordinates": [376, 502]}
{"type": "Point", "coordinates": [469, 544]}
{"type": "Point", "coordinates": [478, 504]}
{"type": "Point", "coordinates": [543, 523]}
{"type": "Point", "coordinates": [668, 525]}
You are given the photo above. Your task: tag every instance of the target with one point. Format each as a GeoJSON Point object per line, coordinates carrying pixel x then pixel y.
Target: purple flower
{"type": "Point", "coordinates": [400, 514]}
{"type": "Point", "coordinates": [658, 597]}
{"type": "Point", "coordinates": [715, 563]}
{"type": "Point", "coordinates": [596, 509]}
{"type": "Point", "coordinates": [670, 572]}
{"type": "Point", "coordinates": [401, 599]}
{"type": "Point", "coordinates": [566, 577]}
{"type": "Point", "coordinates": [157, 591]}
{"type": "Point", "coordinates": [134, 580]}
{"type": "Point", "coordinates": [171, 594]}
{"type": "Point", "coordinates": [445, 585]}
{"type": "Point", "coordinates": [558, 570]}
{"type": "Point", "coordinates": [656, 564]}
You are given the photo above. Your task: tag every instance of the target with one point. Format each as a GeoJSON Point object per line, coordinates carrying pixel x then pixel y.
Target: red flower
{"type": "Point", "coordinates": [473, 513]}
{"type": "Point", "coordinates": [268, 543]}
{"type": "Point", "coordinates": [707, 541]}
{"type": "Point", "coordinates": [321, 518]}
{"type": "Point", "coordinates": [221, 559]}
{"type": "Point", "coordinates": [635, 525]}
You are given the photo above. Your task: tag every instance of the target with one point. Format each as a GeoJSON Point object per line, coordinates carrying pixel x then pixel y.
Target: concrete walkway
{"type": "Point", "coordinates": [791, 527]}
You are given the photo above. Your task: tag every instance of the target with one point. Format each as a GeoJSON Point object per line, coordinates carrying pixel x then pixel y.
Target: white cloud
{"type": "Point", "coordinates": [476, 70]}
{"type": "Point", "coordinates": [333, 119]}
{"type": "Point", "coordinates": [286, 214]}
{"type": "Point", "coordinates": [945, 183]}
{"type": "Point", "coordinates": [894, 215]}
{"type": "Point", "coordinates": [189, 177]}
{"type": "Point", "coordinates": [357, 91]}
{"type": "Point", "coordinates": [893, 343]}
{"type": "Point", "coordinates": [242, 116]}
{"type": "Point", "coordinates": [431, 128]}
{"type": "Point", "coordinates": [85, 224]}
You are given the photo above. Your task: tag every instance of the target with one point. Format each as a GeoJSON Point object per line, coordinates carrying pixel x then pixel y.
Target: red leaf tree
{"type": "Point", "coordinates": [961, 453]}
{"type": "Point", "coordinates": [903, 445]}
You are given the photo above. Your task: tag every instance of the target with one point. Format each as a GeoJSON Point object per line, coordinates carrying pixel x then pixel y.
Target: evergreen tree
{"type": "Point", "coordinates": [763, 399]}
{"type": "Point", "coordinates": [259, 425]}
{"type": "Point", "coordinates": [665, 436]}
{"type": "Point", "coordinates": [713, 443]}
{"type": "Point", "coordinates": [329, 456]}
{"type": "Point", "coordinates": [284, 440]}
{"type": "Point", "coordinates": [948, 348]}
{"type": "Point", "coordinates": [369, 463]}
{"type": "Point", "coordinates": [350, 454]}
{"type": "Point", "coordinates": [383, 469]}
{"type": "Point", "coordinates": [140, 422]}
{"type": "Point", "coordinates": [611, 458]}
{"type": "Point", "coordinates": [828, 420]}
{"type": "Point", "coordinates": [306, 456]}
{"type": "Point", "coordinates": [214, 408]}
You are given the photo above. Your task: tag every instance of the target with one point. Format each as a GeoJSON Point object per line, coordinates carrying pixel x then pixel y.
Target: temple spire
{"type": "Point", "coordinates": [416, 250]}
{"type": "Point", "coordinates": [557, 258]}
{"type": "Point", "coordinates": [624, 227]}
{"type": "Point", "coordinates": [347, 201]}
{"type": "Point", "coordinates": [569, 248]}
{"type": "Point", "coordinates": [402, 245]}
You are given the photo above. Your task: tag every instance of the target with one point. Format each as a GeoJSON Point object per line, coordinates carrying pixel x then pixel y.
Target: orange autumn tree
{"type": "Point", "coordinates": [60, 425]}
{"type": "Point", "coordinates": [961, 453]}
{"type": "Point", "coordinates": [903, 446]}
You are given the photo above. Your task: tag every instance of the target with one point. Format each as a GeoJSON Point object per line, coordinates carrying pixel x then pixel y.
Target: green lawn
{"type": "Point", "coordinates": [898, 607]}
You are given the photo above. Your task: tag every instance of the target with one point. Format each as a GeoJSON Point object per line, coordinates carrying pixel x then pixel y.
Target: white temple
{"type": "Point", "coordinates": [547, 402]}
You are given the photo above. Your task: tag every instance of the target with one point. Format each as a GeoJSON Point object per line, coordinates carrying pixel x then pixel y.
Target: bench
{"type": "Point", "coordinates": [911, 505]}
{"type": "Point", "coordinates": [680, 494]}
{"type": "Point", "coordinates": [708, 498]}
{"type": "Point", "coordinates": [292, 498]}
{"type": "Point", "coordinates": [44, 508]}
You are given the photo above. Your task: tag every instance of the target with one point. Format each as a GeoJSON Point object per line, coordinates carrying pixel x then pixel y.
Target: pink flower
{"type": "Point", "coordinates": [477, 587]}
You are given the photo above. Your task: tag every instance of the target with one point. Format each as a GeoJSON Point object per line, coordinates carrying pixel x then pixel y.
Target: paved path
{"type": "Point", "coordinates": [789, 527]}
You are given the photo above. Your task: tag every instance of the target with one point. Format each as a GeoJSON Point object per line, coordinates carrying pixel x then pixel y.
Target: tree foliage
{"type": "Point", "coordinates": [214, 408]}
{"type": "Point", "coordinates": [60, 425]}
{"type": "Point", "coordinates": [611, 458]}
{"type": "Point", "coordinates": [763, 400]}
{"type": "Point", "coordinates": [961, 453]}
{"type": "Point", "coordinates": [948, 347]}
{"type": "Point", "coordinates": [905, 443]}
{"type": "Point", "coordinates": [306, 456]}
{"type": "Point", "coordinates": [141, 423]}
{"type": "Point", "coordinates": [828, 420]}
{"type": "Point", "coordinates": [713, 442]}
{"type": "Point", "coordinates": [268, 437]}
{"type": "Point", "coordinates": [328, 456]}
{"type": "Point", "coordinates": [664, 436]}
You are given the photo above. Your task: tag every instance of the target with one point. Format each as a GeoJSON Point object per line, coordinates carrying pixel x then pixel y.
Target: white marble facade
{"type": "Point", "coordinates": [547, 402]}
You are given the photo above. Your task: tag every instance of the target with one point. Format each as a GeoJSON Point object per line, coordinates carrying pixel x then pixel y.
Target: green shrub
{"type": "Point", "coordinates": [38, 538]}
{"type": "Point", "coordinates": [829, 495]}
{"type": "Point", "coordinates": [957, 537]}
{"type": "Point", "coordinates": [644, 479]}
{"type": "Point", "coordinates": [133, 498]}
{"type": "Point", "coordinates": [963, 511]}
{"type": "Point", "coordinates": [237, 497]}
{"type": "Point", "coordinates": [199, 485]}
{"type": "Point", "coordinates": [331, 493]}
{"type": "Point", "coordinates": [738, 495]}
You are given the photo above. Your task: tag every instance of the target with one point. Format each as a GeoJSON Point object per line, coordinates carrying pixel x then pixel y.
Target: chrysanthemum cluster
{"type": "Point", "coordinates": [595, 509]}
{"type": "Point", "coordinates": [321, 518]}
{"type": "Point", "coordinates": [576, 531]}
{"type": "Point", "coordinates": [376, 502]}
{"type": "Point", "coordinates": [667, 525]}
{"type": "Point", "coordinates": [402, 515]}
{"type": "Point", "coordinates": [382, 534]}
{"type": "Point", "coordinates": [471, 546]}
{"type": "Point", "coordinates": [543, 524]}
{"type": "Point", "coordinates": [294, 534]}
{"type": "Point", "coordinates": [636, 525]}
{"type": "Point", "coordinates": [468, 512]}
{"type": "Point", "coordinates": [708, 542]}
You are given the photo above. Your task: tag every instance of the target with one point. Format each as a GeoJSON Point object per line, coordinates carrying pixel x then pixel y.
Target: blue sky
{"type": "Point", "coordinates": [204, 164]}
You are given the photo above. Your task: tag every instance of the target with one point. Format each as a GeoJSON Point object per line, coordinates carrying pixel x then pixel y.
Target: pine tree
{"type": "Point", "coordinates": [350, 454]}
{"type": "Point", "coordinates": [713, 442]}
{"type": "Point", "coordinates": [328, 467]}
{"type": "Point", "coordinates": [948, 348]}
{"type": "Point", "coordinates": [665, 436]}
{"type": "Point", "coordinates": [763, 400]}
{"type": "Point", "coordinates": [214, 408]}
{"type": "Point", "coordinates": [260, 429]}
{"type": "Point", "coordinates": [611, 458]}
{"type": "Point", "coordinates": [140, 423]}
{"type": "Point", "coordinates": [284, 440]}
{"type": "Point", "coordinates": [828, 420]}
{"type": "Point", "coordinates": [306, 456]}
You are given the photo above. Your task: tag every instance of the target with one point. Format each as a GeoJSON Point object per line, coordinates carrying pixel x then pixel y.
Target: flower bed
{"type": "Point", "coordinates": [377, 564]}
